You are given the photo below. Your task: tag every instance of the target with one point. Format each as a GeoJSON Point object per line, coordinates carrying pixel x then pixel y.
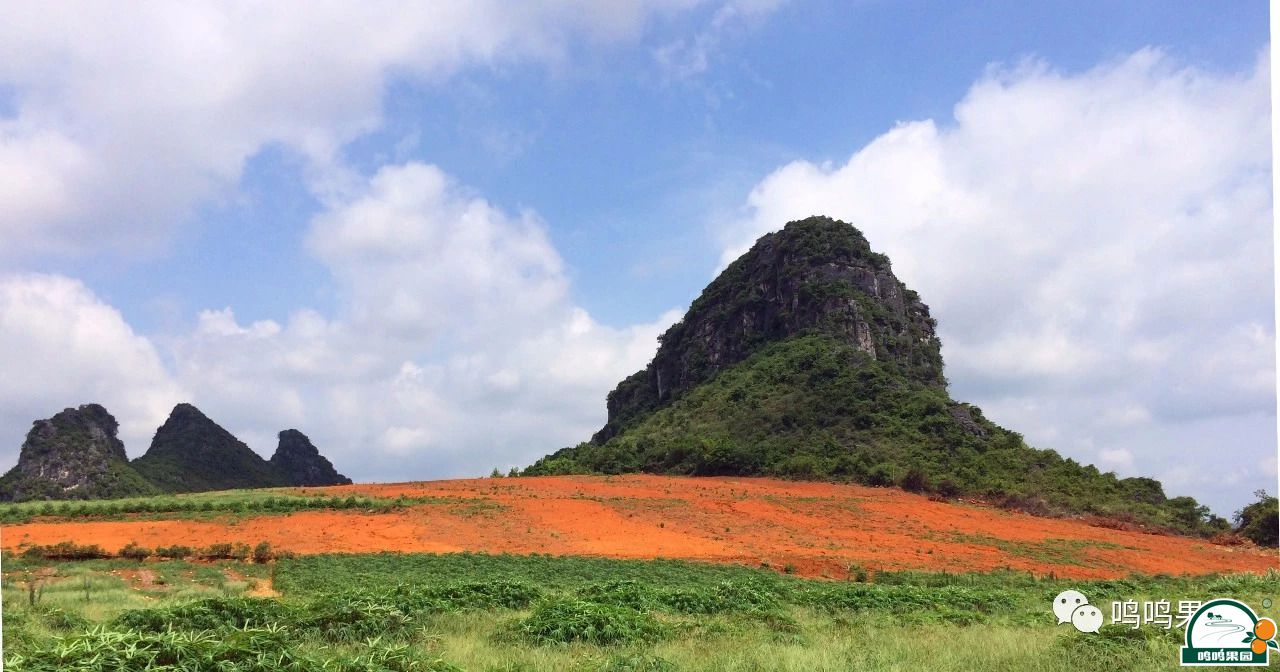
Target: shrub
{"type": "Point", "coordinates": [354, 617]}
{"type": "Point", "coordinates": [133, 551]}
{"type": "Point", "coordinates": [563, 621]}
{"type": "Point", "coordinates": [175, 552]}
{"type": "Point", "coordinates": [65, 621]}
{"type": "Point", "coordinates": [1260, 521]}
{"type": "Point", "coordinates": [915, 480]}
{"type": "Point", "coordinates": [746, 597]}
{"type": "Point", "coordinates": [881, 474]}
{"type": "Point", "coordinates": [65, 550]}
{"type": "Point", "coordinates": [624, 593]}
{"type": "Point", "coordinates": [240, 552]}
{"type": "Point", "coordinates": [948, 488]}
{"type": "Point", "coordinates": [501, 593]}
{"type": "Point", "coordinates": [262, 552]}
{"type": "Point", "coordinates": [217, 552]}
{"type": "Point", "coordinates": [208, 614]}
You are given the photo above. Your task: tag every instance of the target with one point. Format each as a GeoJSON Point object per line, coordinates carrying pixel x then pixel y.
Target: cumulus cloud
{"type": "Point", "coordinates": [62, 346]}
{"type": "Point", "coordinates": [1096, 248]}
{"type": "Point", "coordinates": [456, 346]}
{"type": "Point", "coordinates": [417, 253]}
{"type": "Point", "coordinates": [124, 116]}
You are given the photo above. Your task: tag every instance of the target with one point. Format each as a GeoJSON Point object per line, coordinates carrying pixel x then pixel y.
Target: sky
{"type": "Point", "coordinates": [433, 238]}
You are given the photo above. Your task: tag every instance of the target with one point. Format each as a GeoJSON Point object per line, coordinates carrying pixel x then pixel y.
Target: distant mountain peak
{"type": "Point", "coordinates": [73, 455]}
{"type": "Point", "coordinates": [299, 462]}
{"type": "Point", "coordinates": [814, 275]}
{"type": "Point", "coordinates": [192, 453]}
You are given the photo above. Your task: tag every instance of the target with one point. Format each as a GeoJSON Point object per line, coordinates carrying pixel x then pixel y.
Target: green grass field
{"type": "Point", "coordinates": [482, 612]}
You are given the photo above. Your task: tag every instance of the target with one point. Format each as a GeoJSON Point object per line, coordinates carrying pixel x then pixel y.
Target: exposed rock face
{"type": "Point", "coordinates": [73, 455]}
{"type": "Point", "coordinates": [298, 462]}
{"type": "Point", "coordinates": [191, 453]}
{"type": "Point", "coordinates": [816, 274]}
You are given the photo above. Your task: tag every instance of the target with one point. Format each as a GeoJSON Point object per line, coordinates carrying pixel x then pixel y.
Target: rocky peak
{"type": "Point", "coordinates": [74, 454]}
{"type": "Point", "coordinates": [298, 462]}
{"type": "Point", "coordinates": [191, 453]}
{"type": "Point", "coordinates": [815, 275]}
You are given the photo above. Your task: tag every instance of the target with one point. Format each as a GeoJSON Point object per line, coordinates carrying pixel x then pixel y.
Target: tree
{"type": "Point", "coordinates": [1260, 521]}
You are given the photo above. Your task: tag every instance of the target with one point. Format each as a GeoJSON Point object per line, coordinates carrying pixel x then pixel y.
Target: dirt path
{"type": "Point", "coordinates": [816, 529]}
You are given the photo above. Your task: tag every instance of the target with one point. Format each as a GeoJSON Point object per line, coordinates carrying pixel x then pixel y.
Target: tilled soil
{"type": "Point", "coordinates": [811, 529]}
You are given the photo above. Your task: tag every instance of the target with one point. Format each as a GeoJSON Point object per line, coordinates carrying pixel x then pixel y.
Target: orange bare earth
{"type": "Point", "coordinates": [819, 529]}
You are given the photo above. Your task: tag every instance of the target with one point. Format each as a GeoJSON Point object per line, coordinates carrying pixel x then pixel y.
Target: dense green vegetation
{"type": "Point", "coordinates": [481, 612]}
{"type": "Point", "coordinates": [222, 503]}
{"type": "Point", "coordinates": [816, 407]}
{"type": "Point", "coordinates": [117, 479]}
{"type": "Point", "coordinates": [1260, 521]}
{"type": "Point", "coordinates": [816, 274]}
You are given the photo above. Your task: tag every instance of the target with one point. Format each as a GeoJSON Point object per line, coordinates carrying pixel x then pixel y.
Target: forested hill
{"type": "Point", "coordinates": [808, 358]}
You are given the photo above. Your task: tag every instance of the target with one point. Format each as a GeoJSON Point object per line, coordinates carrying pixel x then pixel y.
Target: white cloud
{"type": "Point", "coordinates": [685, 58]}
{"type": "Point", "coordinates": [127, 115]}
{"type": "Point", "coordinates": [456, 347]}
{"type": "Point", "coordinates": [417, 254]}
{"type": "Point", "coordinates": [1116, 458]}
{"type": "Point", "coordinates": [1096, 248]}
{"type": "Point", "coordinates": [61, 346]}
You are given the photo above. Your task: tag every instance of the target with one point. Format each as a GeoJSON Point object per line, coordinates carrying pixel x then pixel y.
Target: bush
{"type": "Point", "coordinates": [61, 620]}
{"type": "Point", "coordinates": [915, 480]}
{"type": "Point", "coordinates": [65, 550]}
{"type": "Point", "coordinates": [133, 551]}
{"type": "Point", "coordinates": [262, 552]}
{"type": "Point", "coordinates": [725, 597]}
{"type": "Point", "coordinates": [1260, 521]}
{"type": "Point", "coordinates": [175, 552]}
{"type": "Point", "coordinates": [354, 617]}
{"type": "Point", "coordinates": [624, 593]}
{"type": "Point", "coordinates": [208, 614]}
{"type": "Point", "coordinates": [217, 552]}
{"type": "Point", "coordinates": [240, 552]}
{"type": "Point", "coordinates": [881, 474]}
{"type": "Point", "coordinates": [948, 488]}
{"type": "Point", "coordinates": [563, 621]}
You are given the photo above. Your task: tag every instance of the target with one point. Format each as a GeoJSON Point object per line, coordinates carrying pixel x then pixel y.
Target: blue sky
{"type": "Point", "coordinates": [201, 194]}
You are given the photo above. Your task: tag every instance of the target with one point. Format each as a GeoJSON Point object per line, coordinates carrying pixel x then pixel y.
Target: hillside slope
{"type": "Point", "coordinates": [808, 528]}
{"type": "Point", "coordinates": [808, 358]}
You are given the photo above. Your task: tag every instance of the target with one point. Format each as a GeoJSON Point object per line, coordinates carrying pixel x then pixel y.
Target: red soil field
{"type": "Point", "coordinates": [812, 529]}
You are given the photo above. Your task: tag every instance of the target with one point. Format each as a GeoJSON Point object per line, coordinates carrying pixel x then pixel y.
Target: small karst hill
{"type": "Point", "coordinates": [808, 358]}
{"type": "Point", "coordinates": [76, 455]}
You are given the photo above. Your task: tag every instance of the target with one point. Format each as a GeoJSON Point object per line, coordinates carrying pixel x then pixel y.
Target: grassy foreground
{"type": "Point", "coordinates": [482, 612]}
